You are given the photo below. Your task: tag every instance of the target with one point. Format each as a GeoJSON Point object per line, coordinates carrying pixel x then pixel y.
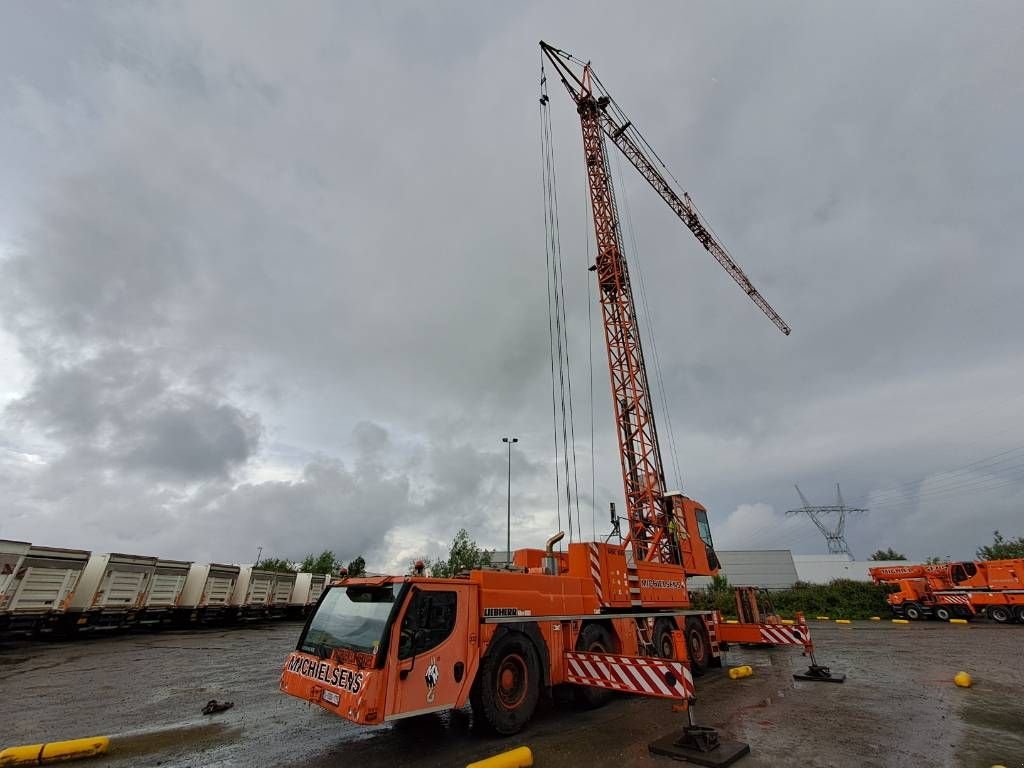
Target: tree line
{"type": "Point", "coordinates": [1001, 548]}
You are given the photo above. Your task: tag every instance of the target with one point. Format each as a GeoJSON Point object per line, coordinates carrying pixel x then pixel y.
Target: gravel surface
{"type": "Point", "coordinates": [898, 707]}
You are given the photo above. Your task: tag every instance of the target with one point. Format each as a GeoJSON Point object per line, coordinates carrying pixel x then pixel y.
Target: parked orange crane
{"type": "Point", "coordinates": [600, 616]}
{"type": "Point", "coordinates": [946, 590]}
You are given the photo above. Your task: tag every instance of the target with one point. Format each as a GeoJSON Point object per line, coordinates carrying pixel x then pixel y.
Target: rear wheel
{"type": "Point", "coordinates": [1020, 613]}
{"type": "Point", "coordinates": [593, 639]}
{"type": "Point", "coordinates": [507, 687]}
{"type": "Point", "coordinates": [943, 614]}
{"type": "Point", "coordinates": [913, 611]}
{"type": "Point", "coordinates": [1000, 614]}
{"type": "Point", "coordinates": [698, 645]}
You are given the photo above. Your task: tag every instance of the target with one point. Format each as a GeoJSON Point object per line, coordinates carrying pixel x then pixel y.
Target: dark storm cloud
{"type": "Point", "coordinates": [292, 265]}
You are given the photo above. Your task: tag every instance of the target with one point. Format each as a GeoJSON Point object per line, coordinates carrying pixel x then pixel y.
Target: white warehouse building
{"type": "Point", "coordinates": [780, 568]}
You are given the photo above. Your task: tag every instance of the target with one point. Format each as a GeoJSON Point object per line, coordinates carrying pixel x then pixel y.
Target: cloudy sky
{"type": "Point", "coordinates": [273, 275]}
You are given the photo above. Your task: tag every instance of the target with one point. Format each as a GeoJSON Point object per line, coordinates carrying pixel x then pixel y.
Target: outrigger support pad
{"type": "Point", "coordinates": [700, 745]}
{"type": "Point", "coordinates": [819, 674]}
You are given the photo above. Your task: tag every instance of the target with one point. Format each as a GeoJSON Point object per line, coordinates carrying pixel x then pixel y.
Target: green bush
{"type": "Point", "coordinates": [840, 599]}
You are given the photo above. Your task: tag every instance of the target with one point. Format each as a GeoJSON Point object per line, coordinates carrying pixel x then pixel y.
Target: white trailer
{"type": "Point", "coordinates": [281, 593]}
{"type": "Point", "coordinates": [161, 599]}
{"type": "Point", "coordinates": [111, 591]}
{"type": "Point", "coordinates": [206, 595]}
{"type": "Point", "coordinates": [253, 590]}
{"type": "Point", "coordinates": [306, 593]}
{"type": "Point", "coordinates": [36, 584]}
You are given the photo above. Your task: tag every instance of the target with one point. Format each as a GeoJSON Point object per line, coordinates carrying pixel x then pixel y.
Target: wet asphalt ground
{"type": "Point", "coordinates": [899, 706]}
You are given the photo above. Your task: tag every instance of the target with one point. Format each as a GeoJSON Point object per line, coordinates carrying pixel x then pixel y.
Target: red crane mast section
{"type": "Point", "coordinates": [648, 509]}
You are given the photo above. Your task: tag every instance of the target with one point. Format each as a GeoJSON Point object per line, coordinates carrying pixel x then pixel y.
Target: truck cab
{"type": "Point", "coordinates": [423, 624]}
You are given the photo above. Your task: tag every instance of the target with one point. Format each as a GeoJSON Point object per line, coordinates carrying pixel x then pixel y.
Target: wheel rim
{"type": "Point", "coordinates": [696, 647]}
{"type": "Point", "coordinates": [666, 646]}
{"type": "Point", "coordinates": [511, 681]}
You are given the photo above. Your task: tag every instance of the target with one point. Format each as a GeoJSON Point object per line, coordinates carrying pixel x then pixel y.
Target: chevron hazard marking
{"type": "Point", "coordinates": [663, 678]}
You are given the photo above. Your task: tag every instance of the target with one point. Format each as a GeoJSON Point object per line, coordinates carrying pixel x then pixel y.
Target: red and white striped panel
{"type": "Point", "coordinates": [595, 571]}
{"type": "Point", "coordinates": [712, 629]}
{"type": "Point", "coordinates": [958, 599]}
{"type": "Point", "coordinates": [630, 674]}
{"type": "Point", "coordinates": [782, 634]}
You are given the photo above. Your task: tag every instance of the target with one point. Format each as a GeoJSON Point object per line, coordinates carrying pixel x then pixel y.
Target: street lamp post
{"type": "Point", "coordinates": [508, 539]}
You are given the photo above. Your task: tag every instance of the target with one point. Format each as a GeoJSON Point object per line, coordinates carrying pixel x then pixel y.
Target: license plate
{"type": "Point", "coordinates": [331, 697]}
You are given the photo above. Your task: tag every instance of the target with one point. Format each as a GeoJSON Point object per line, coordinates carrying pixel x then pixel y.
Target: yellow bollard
{"type": "Point", "coordinates": [520, 757]}
{"type": "Point", "coordinates": [876, 618]}
{"type": "Point", "coordinates": [744, 671]}
{"type": "Point", "coordinates": [900, 621]}
{"type": "Point", "coordinates": [821, 618]}
{"type": "Point", "coordinates": [54, 751]}
{"type": "Point", "coordinates": [732, 621]}
{"type": "Point", "coordinates": [788, 622]}
{"type": "Point", "coordinates": [963, 680]}
{"type": "Point", "coordinates": [842, 621]}
{"type": "Point", "coordinates": [958, 621]}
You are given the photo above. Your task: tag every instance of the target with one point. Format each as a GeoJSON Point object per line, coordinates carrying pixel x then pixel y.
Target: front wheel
{"type": "Point", "coordinates": [913, 611]}
{"type": "Point", "coordinates": [1000, 614]}
{"type": "Point", "coordinates": [507, 686]}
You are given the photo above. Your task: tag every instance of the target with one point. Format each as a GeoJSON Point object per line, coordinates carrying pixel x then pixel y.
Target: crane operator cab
{"type": "Point", "coordinates": [379, 649]}
{"type": "Point", "coordinates": [696, 547]}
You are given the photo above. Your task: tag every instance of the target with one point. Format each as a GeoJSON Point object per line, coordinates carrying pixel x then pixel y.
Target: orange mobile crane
{"type": "Point", "coordinates": [946, 590]}
{"type": "Point", "coordinates": [600, 616]}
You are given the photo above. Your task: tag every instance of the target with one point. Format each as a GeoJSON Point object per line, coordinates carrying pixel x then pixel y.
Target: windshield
{"type": "Point", "coordinates": [352, 618]}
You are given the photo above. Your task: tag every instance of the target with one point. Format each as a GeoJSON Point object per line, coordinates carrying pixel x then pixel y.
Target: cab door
{"type": "Point", "coordinates": [430, 645]}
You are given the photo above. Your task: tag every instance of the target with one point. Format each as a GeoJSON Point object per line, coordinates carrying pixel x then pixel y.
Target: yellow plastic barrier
{"type": "Point", "coordinates": [744, 671]}
{"type": "Point", "coordinates": [520, 757]}
{"type": "Point", "coordinates": [732, 621]}
{"type": "Point", "coordinates": [900, 621]}
{"type": "Point", "coordinates": [788, 622]}
{"type": "Point", "coordinates": [54, 751]}
{"type": "Point", "coordinates": [842, 621]}
{"type": "Point", "coordinates": [963, 680]}
{"type": "Point", "coordinates": [958, 621]}
{"type": "Point", "coordinates": [821, 618]}
{"type": "Point", "coordinates": [876, 618]}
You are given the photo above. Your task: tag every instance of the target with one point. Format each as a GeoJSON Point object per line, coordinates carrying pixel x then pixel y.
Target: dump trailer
{"type": "Point", "coordinates": [993, 588]}
{"type": "Point", "coordinates": [36, 584]}
{"type": "Point", "coordinates": [306, 592]}
{"type": "Point", "coordinates": [252, 593]}
{"type": "Point", "coordinates": [160, 603]}
{"type": "Point", "coordinates": [110, 592]}
{"type": "Point", "coordinates": [281, 594]}
{"type": "Point", "coordinates": [207, 592]}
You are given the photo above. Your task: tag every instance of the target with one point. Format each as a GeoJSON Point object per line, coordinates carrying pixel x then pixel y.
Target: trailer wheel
{"type": "Point", "coordinates": [593, 639]}
{"type": "Point", "coordinates": [507, 687]}
{"type": "Point", "coordinates": [913, 611]}
{"type": "Point", "coordinates": [698, 645]}
{"type": "Point", "coordinates": [1000, 614]}
{"type": "Point", "coordinates": [943, 614]}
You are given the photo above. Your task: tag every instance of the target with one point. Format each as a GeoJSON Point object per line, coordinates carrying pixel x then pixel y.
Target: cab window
{"type": "Point", "coordinates": [703, 528]}
{"type": "Point", "coordinates": [428, 622]}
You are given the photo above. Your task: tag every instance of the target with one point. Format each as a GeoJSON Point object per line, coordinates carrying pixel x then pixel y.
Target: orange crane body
{"type": "Point", "coordinates": [601, 616]}
{"type": "Point", "coordinates": [946, 590]}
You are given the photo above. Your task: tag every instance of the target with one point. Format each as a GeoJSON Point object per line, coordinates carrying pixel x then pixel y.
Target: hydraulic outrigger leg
{"type": "Point", "coordinates": [699, 744]}
{"type": "Point", "coordinates": [819, 674]}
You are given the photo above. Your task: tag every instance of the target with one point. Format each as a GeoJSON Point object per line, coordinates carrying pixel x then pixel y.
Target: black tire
{"type": "Point", "coordinates": [913, 611]}
{"type": "Point", "coordinates": [593, 639]}
{"type": "Point", "coordinates": [942, 613]}
{"type": "Point", "coordinates": [1000, 614]}
{"type": "Point", "coordinates": [663, 645]}
{"type": "Point", "coordinates": [1020, 613]}
{"type": "Point", "coordinates": [507, 685]}
{"type": "Point", "coordinates": [698, 645]}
